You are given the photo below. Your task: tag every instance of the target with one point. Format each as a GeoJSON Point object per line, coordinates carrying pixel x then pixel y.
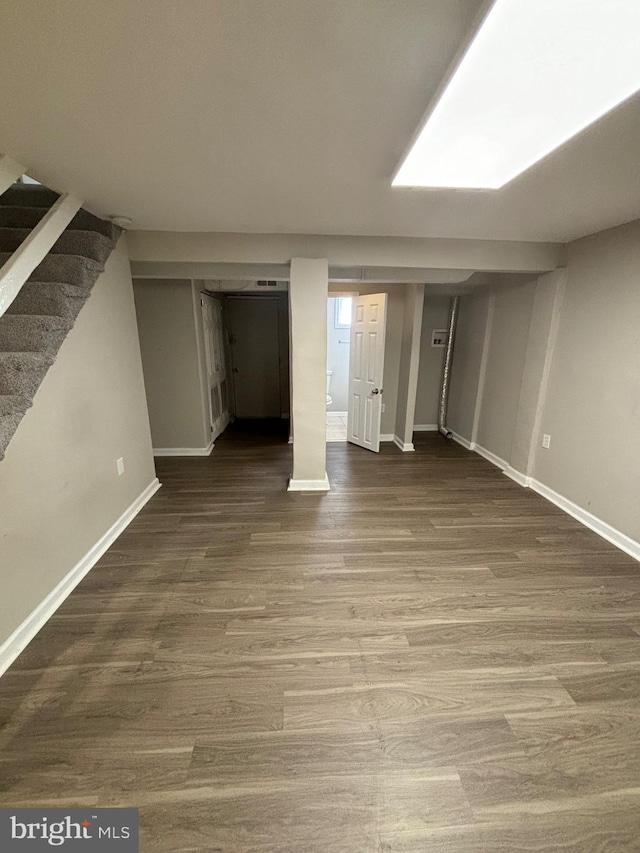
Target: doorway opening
{"type": "Point", "coordinates": [356, 331]}
{"type": "Point", "coordinates": [338, 344]}
{"type": "Point", "coordinates": [257, 332]}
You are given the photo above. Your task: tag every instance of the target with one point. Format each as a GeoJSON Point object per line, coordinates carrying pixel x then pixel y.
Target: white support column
{"type": "Point", "coordinates": [10, 171]}
{"type": "Point", "coordinates": [308, 291]}
{"type": "Point", "coordinates": [409, 365]}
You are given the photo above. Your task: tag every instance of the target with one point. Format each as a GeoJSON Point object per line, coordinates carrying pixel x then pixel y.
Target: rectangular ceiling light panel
{"type": "Point", "coordinates": [536, 74]}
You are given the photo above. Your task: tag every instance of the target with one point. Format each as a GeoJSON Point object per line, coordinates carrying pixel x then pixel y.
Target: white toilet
{"type": "Point", "coordinates": [329, 375]}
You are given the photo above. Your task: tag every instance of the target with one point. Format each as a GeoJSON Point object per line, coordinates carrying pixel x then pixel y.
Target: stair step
{"type": "Point", "coordinates": [32, 333]}
{"type": "Point", "coordinates": [28, 195]}
{"type": "Point", "coordinates": [40, 317]}
{"type": "Point", "coordinates": [17, 216]}
{"type": "Point", "coordinates": [12, 404]}
{"type": "Point", "coordinates": [88, 244]}
{"type": "Point", "coordinates": [69, 269]}
{"type": "Point", "coordinates": [9, 423]}
{"type": "Point", "coordinates": [85, 221]}
{"type": "Point", "coordinates": [22, 372]}
{"type": "Point", "coordinates": [48, 298]}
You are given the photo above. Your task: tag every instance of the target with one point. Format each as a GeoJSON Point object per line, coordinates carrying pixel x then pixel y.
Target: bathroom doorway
{"type": "Point", "coordinates": [338, 343]}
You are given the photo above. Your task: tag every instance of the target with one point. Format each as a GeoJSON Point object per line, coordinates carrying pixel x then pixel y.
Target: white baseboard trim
{"type": "Point", "coordinates": [405, 446]}
{"type": "Point", "coordinates": [386, 436]}
{"type": "Point", "coordinates": [309, 485]}
{"type": "Point", "coordinates": [606, 531]}
{"type": "Point", "coordinates": [184, 451]}
{"type": "Point", "coordinates": [22, 636]}
{"type": "Point", "coordinates": [340, 414]}
{"type": "Point", "coordinates": [425, 427]}
{"type": "Point", "coordinates": [459, 439]}
{"type": "Point", "coordinates": [611, 534]}
{"type": "Point", "coordinates": [517, 476]}
{"type": "Point", "coordinates": [491, 457]}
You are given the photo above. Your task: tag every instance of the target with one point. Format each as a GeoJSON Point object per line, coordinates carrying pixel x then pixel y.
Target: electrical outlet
{"type": "Point", "coordinates": [546, 441]}
{"type": "Point", "coordinates": [120, 466]}
{"type": "Point", "coordinates": [382, 409]}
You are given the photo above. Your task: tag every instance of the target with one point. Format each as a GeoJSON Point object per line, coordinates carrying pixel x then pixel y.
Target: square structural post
{"type": "Point", "coordinates": [409, 365]}
{"type": "Point", "coordinates": [308, 293]}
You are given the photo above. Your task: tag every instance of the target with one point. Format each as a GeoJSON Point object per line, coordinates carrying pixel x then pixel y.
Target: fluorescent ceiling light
{"type": "Point", "coordinates": [536, 74]}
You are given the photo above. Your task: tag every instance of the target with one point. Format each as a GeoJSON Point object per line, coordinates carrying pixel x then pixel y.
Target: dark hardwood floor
{"type": "Point", "coordinates": [428, 658]}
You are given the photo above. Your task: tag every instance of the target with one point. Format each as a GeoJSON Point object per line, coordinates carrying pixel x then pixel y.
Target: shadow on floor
{"type": "Point", "coordinates": [257, 429]}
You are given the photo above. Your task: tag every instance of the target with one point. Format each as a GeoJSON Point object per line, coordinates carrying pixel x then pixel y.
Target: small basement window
{"type": "Point", "coordinates": [343, 312]}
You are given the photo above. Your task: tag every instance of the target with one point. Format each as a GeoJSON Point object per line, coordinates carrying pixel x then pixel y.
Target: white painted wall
{"type": "Point", "coordinates": [337, 359]}
{"type": "Point", "coordinates": [435, 316]}
{"type": "Point", "coordinates": [171, 361]}
{"type": "Point", "coordinates": [505, 365]}
{"type": "Point", "coordinates": [538, 361]}
{"type": "Point", "coordinates": [59, 488]}
{"type": "Point", "coordinates": [592, 410]}
{"type": "Point", "coordinates": [467, 368]}
{"type": "Point", "coordinates": [563, 360]}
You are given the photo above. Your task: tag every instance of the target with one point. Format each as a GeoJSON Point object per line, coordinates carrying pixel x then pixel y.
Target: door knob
{"type": "Point", "coordinates": [377, 391]}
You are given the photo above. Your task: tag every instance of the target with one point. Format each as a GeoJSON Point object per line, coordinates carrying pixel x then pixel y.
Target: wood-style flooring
{"type": "Point", "coordinates": [428, 658]}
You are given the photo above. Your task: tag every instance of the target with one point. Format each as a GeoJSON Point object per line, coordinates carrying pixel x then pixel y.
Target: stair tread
{"type": "Point", "coordinates": [47, 321]}
{"type": "Point", "coordinates": [23, 216]}
{"type": "Point", "coordinates": [21, 231]}
{"type": "Point", "coordinates": [4, 257]}
{"type": "Point", "coordinates": [33, 332]}
{"type": "Point", "coordinates": [86, 244]}
{"type": "Point", "coordinates": [27, 356]}
{"type": "Point", "coordinates": [27, 216]}
{"type": "Point", "coordinates": [24, 207]}
{"type": "Point", "coordinates": [12, 398]}
{"type": "Point", "coordinates": [48, 299]}
{"type": "Point", "coordinates": [7, 254]}
{"type": "Point", "coordinates": [33, 195]}
{"type": "Point", "coordinates": [34, 283]}
{"type": "Point", "coordinates": [13, 403]}
{"type": "Point", "coordinates": [64, 269]}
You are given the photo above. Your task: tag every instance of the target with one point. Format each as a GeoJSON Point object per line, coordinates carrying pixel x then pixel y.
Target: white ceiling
{"type": "Point", "coordinates": [275, 116]}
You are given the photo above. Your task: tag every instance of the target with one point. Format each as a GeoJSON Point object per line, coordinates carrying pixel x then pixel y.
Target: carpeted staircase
{"type": "Point", "coordinates": [39, 319]}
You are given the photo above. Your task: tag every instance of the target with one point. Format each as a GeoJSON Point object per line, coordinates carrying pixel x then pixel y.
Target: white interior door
{"type": "Point", "coordinates": [366, 364]}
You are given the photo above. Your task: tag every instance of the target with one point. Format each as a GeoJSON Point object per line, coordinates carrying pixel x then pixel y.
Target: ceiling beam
{"type": "Point", "coordinates": [397, 252]}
